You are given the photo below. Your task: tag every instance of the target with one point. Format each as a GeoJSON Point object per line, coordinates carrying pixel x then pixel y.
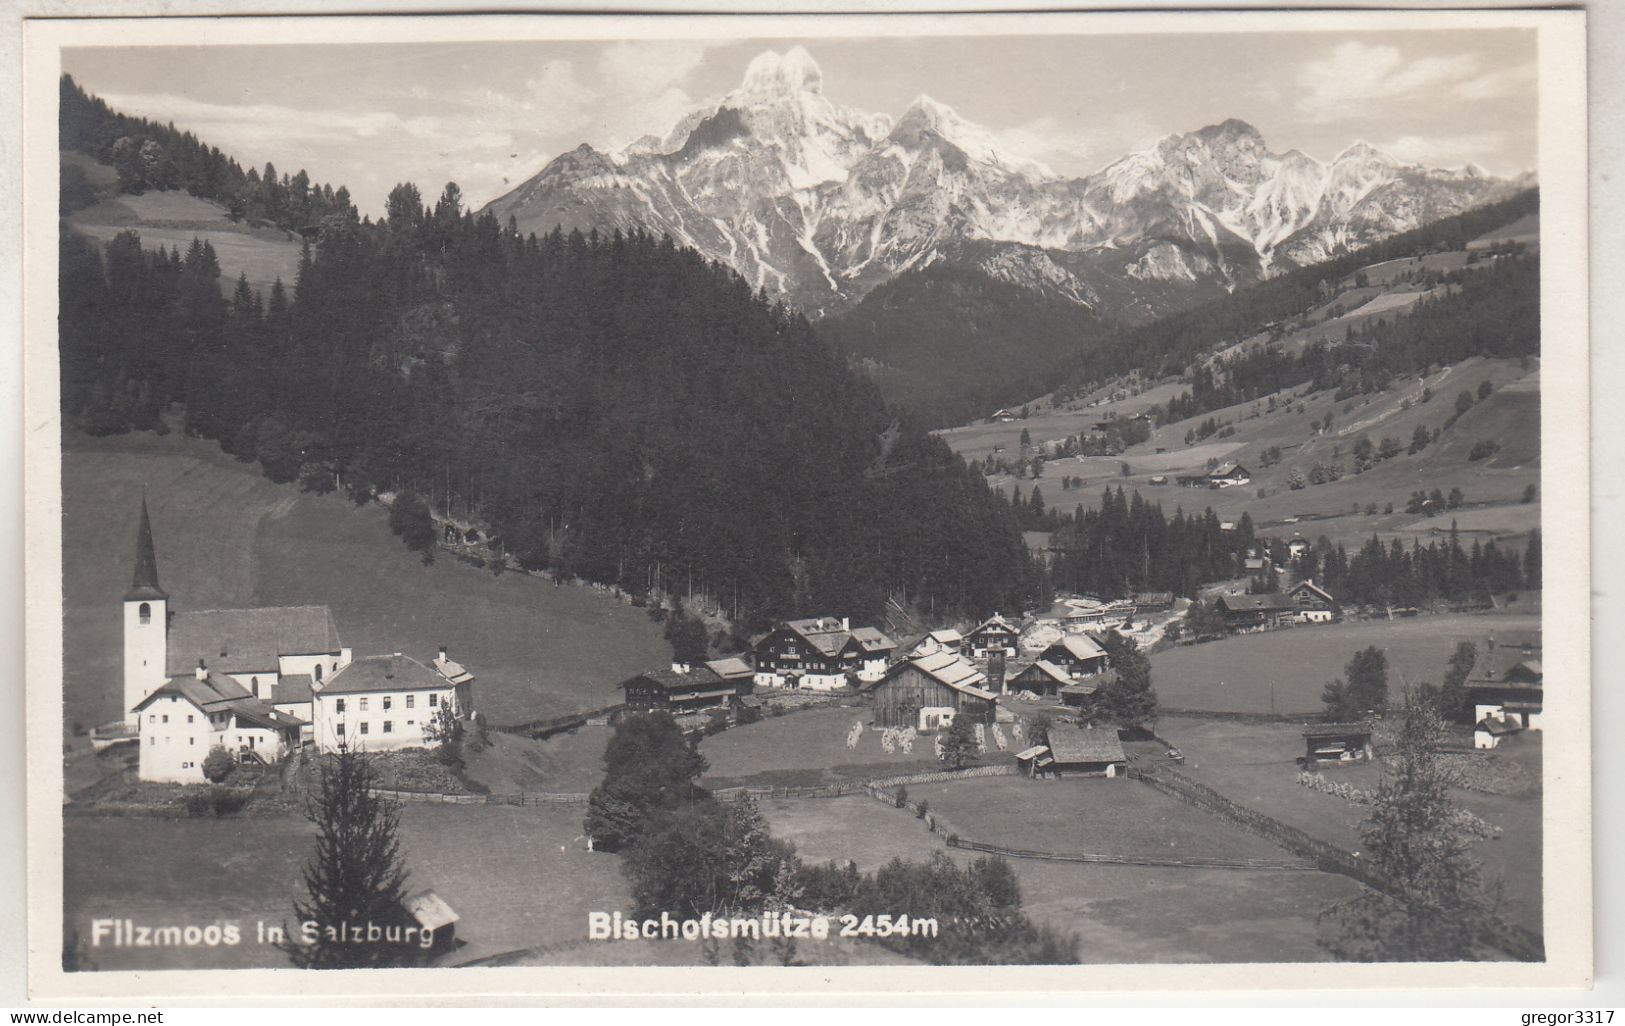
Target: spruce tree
{"type": "Point", "coordinates": [356, 879]}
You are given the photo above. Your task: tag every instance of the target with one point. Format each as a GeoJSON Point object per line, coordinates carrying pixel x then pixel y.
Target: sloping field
{"type": "Point", "coordinates": [1284, 671]}
{"type": "Point", "coordinates": [174, 219]}
{"type": "Point", "coordinates": [228, 537]}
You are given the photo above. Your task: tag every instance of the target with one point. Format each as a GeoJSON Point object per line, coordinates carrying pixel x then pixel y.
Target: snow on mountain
{"type": "Point", "coordinates": [820, 203]}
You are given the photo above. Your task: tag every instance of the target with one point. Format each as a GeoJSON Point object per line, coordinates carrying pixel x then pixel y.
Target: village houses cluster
{"type": "Point", "coordinates": [263, 683]}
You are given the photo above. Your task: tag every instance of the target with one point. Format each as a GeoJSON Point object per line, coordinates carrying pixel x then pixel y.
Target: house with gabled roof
{"type": "Point", "coordinates": [993, 634]}
{"type": "Point", "coordinates": [1078, 655]}
{"type": "Point", "coordinates": [819, 654]}
{"type": "Point", "coordinates": [684, 688]}
{"type": "Point", "coordinates": [385, 702]}
{"type": "Point", "coordinates": [928, 692]}
{"type": "Point", "coordinates": [1255, 612]}
{"type": "Point", "coordinates": [1507, 680]}
{"type": "Point", "coordinates": [191, 714]}
{"type": "Point", "coordinates": [1041, 677]}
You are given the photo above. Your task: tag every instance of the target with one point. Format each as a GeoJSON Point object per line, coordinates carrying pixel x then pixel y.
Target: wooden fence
{"type": "Point", "coordinates": [1519, 942]}
{"type": "Point", "coordinates": [559, 724]}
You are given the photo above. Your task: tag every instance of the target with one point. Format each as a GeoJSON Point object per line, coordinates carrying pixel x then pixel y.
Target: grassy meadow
{"type": "Point", "coordinates": [227, 537]}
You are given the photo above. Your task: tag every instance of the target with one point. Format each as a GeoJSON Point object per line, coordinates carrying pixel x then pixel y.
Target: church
{"type": "Point", "coordinates": [249, 680]}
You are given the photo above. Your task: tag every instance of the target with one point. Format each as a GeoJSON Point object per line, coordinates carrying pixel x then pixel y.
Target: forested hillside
{"type": "Point", "coordinates": [147, 155]}
{"type": "Point", "coordinates": [612, 408]}
{"type": "Point", "coordinates": [950, 343]}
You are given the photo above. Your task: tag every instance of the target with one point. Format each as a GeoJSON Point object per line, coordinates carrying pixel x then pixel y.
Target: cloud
{"type": "Point", "coordinates": [1495, 84]}
{"type": "Point", "coordinates": [1446, 150]}
{"type": "Point", "coordinates": [1078, 145]}
{"type": "Point", "coordinates": [648, 69]}
{"type": "Point", "coordinates": [1354, 75]}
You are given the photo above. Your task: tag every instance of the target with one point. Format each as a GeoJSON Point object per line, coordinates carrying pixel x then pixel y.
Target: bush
{"type": "Point", "coordinates": [900, 800]}
{"type": "Point", "coordinates": [226, 802]}
{"type": "Point", "coordinates": [218, 765]}
{"type": "Point", "coordinates": [923, 810]}
{"type": "Point", "coordinates": [1484, 448]}
{"type": "Point", "coordinates": [199, 804]}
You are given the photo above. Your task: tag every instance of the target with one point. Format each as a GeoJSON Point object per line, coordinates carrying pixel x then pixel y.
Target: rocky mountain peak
{"type": "Point", "coordinates": [771, 73]}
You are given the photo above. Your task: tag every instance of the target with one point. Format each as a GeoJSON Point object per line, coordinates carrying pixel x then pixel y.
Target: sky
{"type": "Point", "coordinates": [489, 115]}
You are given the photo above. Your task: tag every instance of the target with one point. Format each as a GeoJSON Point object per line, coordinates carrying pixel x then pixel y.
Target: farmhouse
{"type": "Point", "coordinates": [259, 649]}
{"type": "Point", "coordinates": [1255, 612]}
{"type": "Point", "coordinates": [1041, 678]}
{"type": "Point", "coordinates": [1337, 742]}
{"type": "Point", "coordinates": [1228, 475]}
{"type": "Point", "coordinates": [928, 692]}
{"type": "Point", "coordinates": [1078, 655]}
{"type": "Point", "coordinates": [188, 715]}
{"type": "Point", "coordinates": [682, 688]}
{"type": "Point", "coordinates": [817, 654]}
{"type": "Point", "coordinates": [1489, 731]}
{"type": "Point", "coordinates": [1506, 682]}
{"type": "Point", "coordinates": [1315, 604]}
{"type": "Point", "coordinates": [1085, 753]}
{"type": "Point", "coordinates": [993, 634]}
{"type": "Point", "coordinates": [945, 639]}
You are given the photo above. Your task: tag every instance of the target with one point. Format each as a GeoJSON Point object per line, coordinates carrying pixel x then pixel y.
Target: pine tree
{"type": "Point", "coordinates": [959, 743]}
{"type": "Point", "coordinates": [356, 879]}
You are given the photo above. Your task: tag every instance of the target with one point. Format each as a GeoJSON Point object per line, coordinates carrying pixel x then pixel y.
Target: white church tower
{"type": "Point", "coordinates": [146, 617]}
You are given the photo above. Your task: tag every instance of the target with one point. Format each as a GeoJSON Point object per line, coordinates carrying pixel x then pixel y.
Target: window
{"type": "Point", "coordinates": [434, 700]}
{"type": "Point", "coordinates": [318, 673]}
{"type": "Point", "coordinates": [338, 706]}
{"type": "Point", "coordinates": [254, 685]}
{"type": "Point", "coordinates": [339, 730]}
{"type": "Point", "coordinates": [188, 717]}
{"type": "Point", "coordinates": [363, 726]}
{"type": "Point", "coordinates": [363, 704]}
{"type": "Point", "coordinates": [191, 740]}
{"type": "Point", "coordinates": [166, 717]}
{"type": "Point", "coordinates": [152, 717]}
{"type": "Point", "coordinates": [146, 614]}
{"type": "Point", "coordinates": [386, 703]}
{"type": "Point", "coordinates": [152, 740]}
{"type": "Point", "coordinates": [411, 700]}
{"type": "Point", "coordinates": [389, 726]}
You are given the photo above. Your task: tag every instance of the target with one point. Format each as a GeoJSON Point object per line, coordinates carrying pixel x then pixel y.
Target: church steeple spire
{"type": "Point", "coordinates": [145, 583]}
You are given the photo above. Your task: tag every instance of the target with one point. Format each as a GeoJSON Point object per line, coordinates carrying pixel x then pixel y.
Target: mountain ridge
{"type": "Point", "coordinates": [819, 203]}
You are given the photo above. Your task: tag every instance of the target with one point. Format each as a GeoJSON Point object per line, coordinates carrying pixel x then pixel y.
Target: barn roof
{"type": "Point", "coordinates": [730, 668]}
{"type": "Point", "coordinates": [1033, 752]}
{"type": "Point", "coordinates": [430, 910]}
{"type": "Point", "coordinates": [1336, 729]}
{"type": "Point", "coordinates": [1086, 746]}
{"type": "Point", "coordinates": [1256, 603]}
{"type": "Point", "coordinates": [954, 671]}
{"type": "Point", "coordinates": [1081, 646]}
{"type": "Point", "coordinates": [1048, 669]}
{"type": "Point", "coordinates": [394, 672]}
{"type": "Point", "coordinates": [249, 640]}
{"type": "Point", "coordinates": [996, 622]}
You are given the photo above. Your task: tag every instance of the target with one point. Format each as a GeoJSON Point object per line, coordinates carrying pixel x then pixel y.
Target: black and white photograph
{"type": "Point", "coordinates": [863, 494]}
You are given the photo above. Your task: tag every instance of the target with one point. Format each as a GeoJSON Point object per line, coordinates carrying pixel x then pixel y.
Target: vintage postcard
{"type": "Point", "coordinates": [584, 505]}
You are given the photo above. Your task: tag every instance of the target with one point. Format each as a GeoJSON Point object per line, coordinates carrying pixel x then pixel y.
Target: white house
{"type": "Point", "coordinates": [384, 702]}
{"type": "Point", "coordinates": [187, 716]}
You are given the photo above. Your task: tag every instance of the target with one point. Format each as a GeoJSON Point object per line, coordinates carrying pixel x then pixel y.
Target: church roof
{"type": "Point", "coordinates": [144, 585]}
{"type": "Point", "coordinates": [249, 640]}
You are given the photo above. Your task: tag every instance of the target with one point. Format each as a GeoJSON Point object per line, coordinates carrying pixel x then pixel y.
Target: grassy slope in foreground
{"type": "Point", "coordinates": [228, 537]}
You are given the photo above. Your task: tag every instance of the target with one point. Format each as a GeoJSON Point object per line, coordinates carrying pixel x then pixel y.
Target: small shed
{"type": "Point", "coordinates": [436, 917]}
{"type": "Point", "coordinates": [1337, 742]}
{"type": "Point", "coordinates": [1086, 753]}
{"type": "Point", "coordinates": [1076, 694]}
{"type": "Point", "coordinates": [1035, 760]}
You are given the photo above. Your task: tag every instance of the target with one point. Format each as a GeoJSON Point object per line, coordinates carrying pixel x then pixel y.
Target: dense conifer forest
{"type": "Point", "coordinates": [612, 408]}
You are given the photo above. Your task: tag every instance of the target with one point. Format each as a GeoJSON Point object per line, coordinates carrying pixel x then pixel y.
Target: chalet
{"type": "Point", "coordinates": [1078, 655]}
{"type": "Point", "coordinates": [1159, 479]}
{"type": "Point", "coordinates": [1041, 678]}
{"type": "Point", "coordinates": [994, 633]}
{"type": "Point", "coordinates": [1255, 612]}
{"type": "Point", "coordinates": [1337, 743]}
{"type": "Point", "coordinates": [188, 715]}
{"type": "Point", "coordinates": [1002, 416]}
{"type": "Point", "coordinates": [386, 702]}
{"type": "Point", "coordinates": [1315, 604]}
{"type": "Point", "coordinates": [820, 654]}
{"type": "Point", "coordinates": [928, 692]}
{"type": "Point", "coordinates": [1297, 546]}
{"type": "Point", "coordinates": [1228, 475]}
{"type": "Point", "coordinates": [1506, 682]}
{"type": "Point", "coordinates": [1085, 753]}
{"type": "Point", "coordinates": [930, 643]}
{"type": "Point", "coordinates": [682, 688]}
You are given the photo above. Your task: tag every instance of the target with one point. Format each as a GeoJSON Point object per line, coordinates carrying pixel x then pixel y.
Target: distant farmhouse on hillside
{"type": "Point", "coordinates": [1225, 475]}
{"type": "Point", "coordinates": [261, 683]}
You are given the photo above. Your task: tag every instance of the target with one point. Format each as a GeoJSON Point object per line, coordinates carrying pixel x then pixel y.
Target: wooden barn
{"type": "Point", "coordinates": [682, 688]}
{"type": "Point", "coordinates": [928, 692]}
{"type": "Point", "coordinates": [1078, 655]}
{"type": "Point", "coordinates": [1078, 753]}
{"type": "Point", "coordinates": [1041, 678]}
{"type": "Point", "coordinates": [1337, 742]}
{"type": "Point", "coordinates": [1256, 612]}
